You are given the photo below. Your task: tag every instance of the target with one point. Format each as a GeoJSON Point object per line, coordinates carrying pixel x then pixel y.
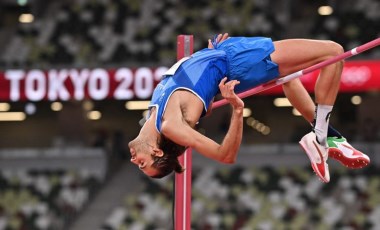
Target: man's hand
{"type": "Point", "coordinates": [219, 38]}
{"type": "Point", "coordinates": [227, 91]}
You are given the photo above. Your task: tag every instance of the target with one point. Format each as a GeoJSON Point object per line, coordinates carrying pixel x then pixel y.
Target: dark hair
{"type": "Point", "coordinates": [169, 161]}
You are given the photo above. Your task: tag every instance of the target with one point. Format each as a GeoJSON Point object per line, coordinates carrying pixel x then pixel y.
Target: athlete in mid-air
{"type": "Point", "coordinates": [228, 66]}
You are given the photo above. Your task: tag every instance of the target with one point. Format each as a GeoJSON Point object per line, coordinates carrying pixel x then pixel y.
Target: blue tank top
{"type": "Point", "coordinates": [238, 58]}
{"type": "Point", "coordinates": [200, 74]}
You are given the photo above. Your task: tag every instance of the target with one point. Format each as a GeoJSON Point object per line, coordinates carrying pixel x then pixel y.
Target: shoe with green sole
{"type": "Point", "coordinates": [340, 150]}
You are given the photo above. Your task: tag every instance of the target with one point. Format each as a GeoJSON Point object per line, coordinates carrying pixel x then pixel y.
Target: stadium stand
{"type": "Point", "coordinates": [47, 189]}
{"type": "Point", "coordinates": [43, 199]}
{"type": "Point", "coordinates": [88, 33]}
{"type": "Point", "coordinates": [259, 198]}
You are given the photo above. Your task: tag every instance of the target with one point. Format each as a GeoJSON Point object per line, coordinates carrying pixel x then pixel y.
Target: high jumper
{"type": "Point", "coordinates": [233, 65]}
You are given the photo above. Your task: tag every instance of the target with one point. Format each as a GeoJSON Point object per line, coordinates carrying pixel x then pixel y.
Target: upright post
{"type": "Point", "coordinates": [182, 200]}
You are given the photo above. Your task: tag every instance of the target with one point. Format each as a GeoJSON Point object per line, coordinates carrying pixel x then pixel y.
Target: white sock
{"type": "Point", "coordinates": [322, 117]}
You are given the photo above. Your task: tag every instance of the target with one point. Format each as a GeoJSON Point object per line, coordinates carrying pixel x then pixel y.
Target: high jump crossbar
{"type": "Point", "coordinates": [182, 199]}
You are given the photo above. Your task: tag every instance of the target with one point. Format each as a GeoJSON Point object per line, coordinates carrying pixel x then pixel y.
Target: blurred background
{"type": "Point", "coordinates": [75, 79]}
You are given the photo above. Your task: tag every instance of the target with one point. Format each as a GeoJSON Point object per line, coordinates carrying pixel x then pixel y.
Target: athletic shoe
{"type": "Point", "coordinates": [342, 151]}
{"type": "Point", "coordinates": [317, 155]}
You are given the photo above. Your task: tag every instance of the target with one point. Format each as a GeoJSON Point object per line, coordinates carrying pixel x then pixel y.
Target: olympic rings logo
{"type": "Point", "coordinates": [356, 76]}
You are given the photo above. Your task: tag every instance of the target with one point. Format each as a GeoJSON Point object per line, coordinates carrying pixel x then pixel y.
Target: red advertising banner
{"type": "Point", "coordinates": [75, 84]}
{"type": "Point", "coordinates": [127, 84]}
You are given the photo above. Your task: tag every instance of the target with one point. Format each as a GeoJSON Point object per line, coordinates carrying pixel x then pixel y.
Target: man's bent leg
{"type": "Point", "coordinates": [293, 55]}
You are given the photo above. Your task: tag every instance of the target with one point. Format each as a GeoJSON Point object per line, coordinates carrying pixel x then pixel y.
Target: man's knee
{"type": "Point", "coordinates": [334, 48]}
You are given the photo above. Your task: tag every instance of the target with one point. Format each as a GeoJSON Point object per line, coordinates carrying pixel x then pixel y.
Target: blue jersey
{"type": "Point", "coordinates": [237, 58]}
